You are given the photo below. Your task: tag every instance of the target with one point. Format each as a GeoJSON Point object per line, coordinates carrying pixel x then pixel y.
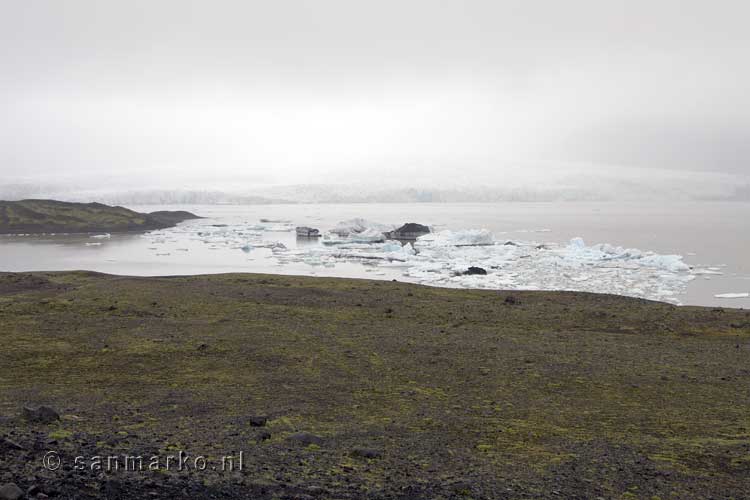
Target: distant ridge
{"type": "Point", "coordinates": [51, 216]}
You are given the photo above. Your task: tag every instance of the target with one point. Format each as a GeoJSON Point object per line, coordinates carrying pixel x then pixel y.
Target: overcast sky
{"type": "Point", "coordinates": [174, 91]}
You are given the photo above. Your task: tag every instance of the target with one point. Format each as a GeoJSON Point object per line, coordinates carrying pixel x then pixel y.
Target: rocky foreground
{"type": "Point", "coordinates": [51, 216]}
{"type": "Point", "coordinates": [333, 388]}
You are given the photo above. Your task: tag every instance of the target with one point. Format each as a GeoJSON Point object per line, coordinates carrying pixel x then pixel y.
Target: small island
{"type": "Point", "coordinates": [51, 216]}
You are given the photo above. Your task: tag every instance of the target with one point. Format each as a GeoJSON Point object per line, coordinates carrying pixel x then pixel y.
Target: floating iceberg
{"type": "Point", "coordinates": [358, 226]}
{"type": "Point", "coordinates": [442, 259]}
{"type": "Point", "coordinates": [280, 228]}
{"type": "Point", "coordinates": [468, 237]}
{"type": "Point", "coordinates": [742, 295]}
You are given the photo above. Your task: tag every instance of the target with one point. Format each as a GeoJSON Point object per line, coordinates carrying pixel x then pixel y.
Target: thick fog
{"type": "Point", "coordinates": [241, 95]}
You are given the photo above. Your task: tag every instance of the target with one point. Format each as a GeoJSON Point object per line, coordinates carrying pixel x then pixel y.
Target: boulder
{"type": "Point", "coordinates": [258, 420]}
{"type": "Point", "coordinates": [263, 436]}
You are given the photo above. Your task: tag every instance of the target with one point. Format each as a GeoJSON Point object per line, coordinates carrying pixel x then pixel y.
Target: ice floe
{"type": "Point", "coordinates": [358, 226]}
{"type": "Point", "coordinates": [444, 257]}
{"type": "Point", "coordinates": [468, 237]}
{"type": "Point", "coordinates": [741, 295]}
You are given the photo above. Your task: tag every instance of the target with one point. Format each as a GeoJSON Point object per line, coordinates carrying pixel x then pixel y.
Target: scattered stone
{"type": "Point", "coordinates": [511, 300]}
{"type": "Point", "coordinates": [475, 270]}
{"type": "Point", "coordinates": [306, 438]}
{"type": "Point", "coordinates": [258, 421]}
{"type": "Point", "coordinates": [263, 436]}
{"type": "Point", "coordinates": [43, 414]}
{"type": "Point", "coordinates": [33, 490]}
{"type": "Point", "coordinates": [462, 488]}
{"type": "Point", "coordinates": [365, 452]}
{"type": "Point", "coordinates": [202, 347]}
{"type": "Point", "coordinates": [10, 491]}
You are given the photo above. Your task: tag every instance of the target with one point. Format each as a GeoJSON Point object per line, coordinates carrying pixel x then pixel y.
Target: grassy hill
{"type": "Point", "coordinates": [50, 216]}
{"type": "Point", "coordinates": [337, 388]}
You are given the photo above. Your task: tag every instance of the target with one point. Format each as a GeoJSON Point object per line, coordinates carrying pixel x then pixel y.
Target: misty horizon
{"type": "Point", "coordinates": [421, 96]}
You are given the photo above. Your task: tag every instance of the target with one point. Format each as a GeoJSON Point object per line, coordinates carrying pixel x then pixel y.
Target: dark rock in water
{"type": "Point", "coordinates": [510, 243]}
{"type": "Point", "coordinates": [43, 414]}
{"type": "Point", "coordinates": [475, 270]}
{"type": "Point", "coordinates": [307, 232]}
{"type": "Point", "coordinates": [258, 421]}
{"type": "Point", "coordinates": [305, 438]}
{"type": "Point", "coordinates": [409, 231]}
{"type": "Point", "coordinates": [365, 452]}
{"type": "Point", "coordinates": [10, 491]}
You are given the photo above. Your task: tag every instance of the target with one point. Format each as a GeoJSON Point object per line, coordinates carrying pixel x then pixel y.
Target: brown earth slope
{"type": "Point", "coordinates": [50, 216]}
{"type": "Point", "coordinates": [337, 388]}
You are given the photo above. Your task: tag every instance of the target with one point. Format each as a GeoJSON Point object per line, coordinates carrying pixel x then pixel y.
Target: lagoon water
{"type": "Point", "coordinates": [707, 234]}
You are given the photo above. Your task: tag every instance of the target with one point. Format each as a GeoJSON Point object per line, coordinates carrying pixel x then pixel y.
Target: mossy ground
{"type": "Point", "coordinates": [464, 394]}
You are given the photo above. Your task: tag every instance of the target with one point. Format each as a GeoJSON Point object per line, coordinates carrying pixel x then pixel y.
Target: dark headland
{"type": "Point", "coordinates": [51, 216]}
{"type": "Point", "coordinates": [348, 389]}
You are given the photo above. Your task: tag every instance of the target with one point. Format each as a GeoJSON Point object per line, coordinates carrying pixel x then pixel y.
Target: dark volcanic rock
{"type": "Point", "coordinates": [258, 420]}
{"type": "Point", "coordinates": [475, 270]}
{"type": "Point", "coordinates": [409, 231]}
{"type": "Point", "coordinates": [365, 452]}
{"type": "Point", "coordinates": [8, 444]}
{"type": "Point", "coordinates": [43, 414]}
{"type": "Point", "coordinates": [305, 438]}
{"type": "Point", "coordinates": [10, 491]}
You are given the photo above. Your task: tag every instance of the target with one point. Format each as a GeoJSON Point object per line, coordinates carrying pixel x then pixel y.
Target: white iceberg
{"type": "Point", "coordinates": [467, 237]}
{"type": "Point", "coordinates": [741, 295]}
{"type": "Point", "coordinates": [357, 226]}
